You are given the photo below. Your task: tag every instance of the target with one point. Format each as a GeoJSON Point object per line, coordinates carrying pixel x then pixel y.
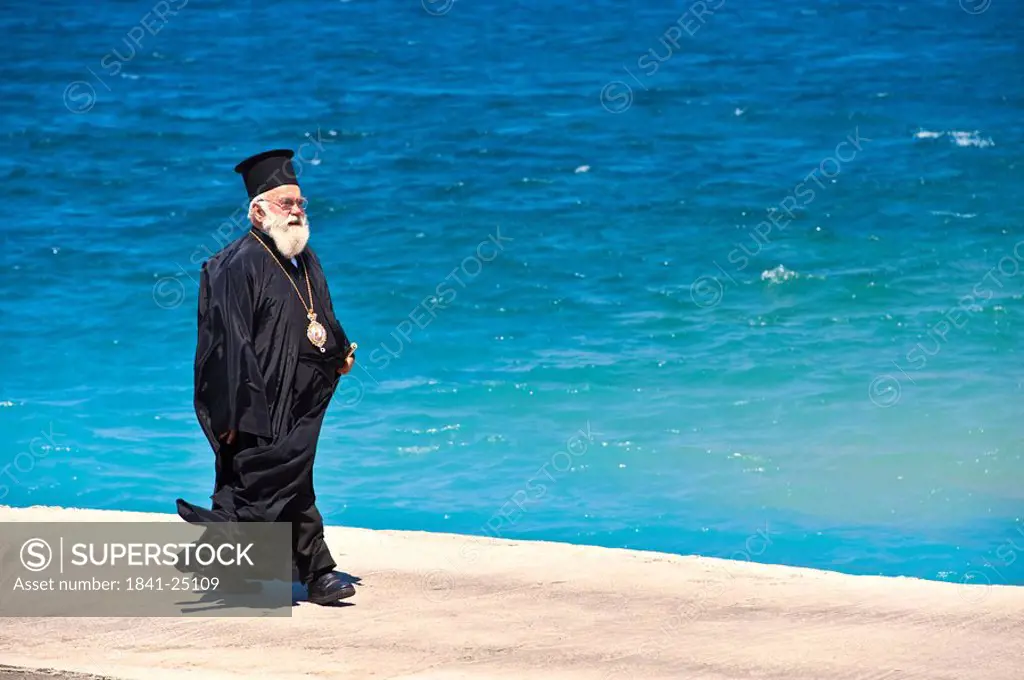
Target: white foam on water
{"type": "Point", "coordinates": [417, 449]}
{"type": "Point", "coordinates": [958, 137]}
{"type": "Point", "coordinates": [778, 274]}
{"type": "Point", "coordinates": [947, 213]}
{"type": "Point", "coordinates": [971, 139]}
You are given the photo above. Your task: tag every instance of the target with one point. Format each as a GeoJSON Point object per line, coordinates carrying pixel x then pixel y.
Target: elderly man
{"type": "Point", "coordinates": [269, 356]}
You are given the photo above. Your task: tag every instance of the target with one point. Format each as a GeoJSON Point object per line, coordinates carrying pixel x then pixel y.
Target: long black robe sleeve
{"type": "Point", "coordinates": [230, 393]}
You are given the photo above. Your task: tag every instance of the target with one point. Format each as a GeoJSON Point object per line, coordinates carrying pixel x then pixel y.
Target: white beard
{"type": "Point", "coordinates": [290, 239]}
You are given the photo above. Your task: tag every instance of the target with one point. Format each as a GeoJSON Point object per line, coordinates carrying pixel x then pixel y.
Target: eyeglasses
{"type": "Point", "coordinates": [289, 204]}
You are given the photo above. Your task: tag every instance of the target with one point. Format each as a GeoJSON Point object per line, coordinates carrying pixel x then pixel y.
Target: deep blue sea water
{"type": "Point", "coordinates": [739, 279]}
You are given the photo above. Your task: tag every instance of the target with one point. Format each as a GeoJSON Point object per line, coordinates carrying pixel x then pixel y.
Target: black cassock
{"type": "Point", "coordinates": [256, 372]}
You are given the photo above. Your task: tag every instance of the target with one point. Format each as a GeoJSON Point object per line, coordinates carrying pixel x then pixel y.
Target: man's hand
{"type": "Point", "coordinates": [229, 437]}
{"type": "Point", "coordinates": [350, 360]}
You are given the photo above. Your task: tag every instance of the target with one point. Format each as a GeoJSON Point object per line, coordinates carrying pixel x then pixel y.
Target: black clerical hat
{"type": "Point", "coordinates": [267, 170]}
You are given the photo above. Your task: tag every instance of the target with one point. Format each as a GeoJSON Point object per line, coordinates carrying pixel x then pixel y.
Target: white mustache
{"type": "Point", "coordinates": [290, 235]}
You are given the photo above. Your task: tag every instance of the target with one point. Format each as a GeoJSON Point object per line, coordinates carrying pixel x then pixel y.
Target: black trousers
{"type": "Point", "coordinates": [310, 553]}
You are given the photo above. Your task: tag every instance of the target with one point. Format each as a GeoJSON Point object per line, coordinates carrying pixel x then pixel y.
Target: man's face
{"type": "Point", "coordinates": [279, 206]}
{"type": "Point", "coordinates": [281, 216]}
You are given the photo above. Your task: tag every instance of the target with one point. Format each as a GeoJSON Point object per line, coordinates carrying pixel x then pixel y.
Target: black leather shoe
{"type": "Point", "coordinates": [329, 588]}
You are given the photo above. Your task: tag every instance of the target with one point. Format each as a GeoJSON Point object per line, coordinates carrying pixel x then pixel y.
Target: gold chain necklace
{"type": "Point", "coordinates": [316, 333]}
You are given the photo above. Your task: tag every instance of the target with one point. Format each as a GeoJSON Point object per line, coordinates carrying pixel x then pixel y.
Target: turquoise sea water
{"type": "Point", "coordinates": [734, 279]}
